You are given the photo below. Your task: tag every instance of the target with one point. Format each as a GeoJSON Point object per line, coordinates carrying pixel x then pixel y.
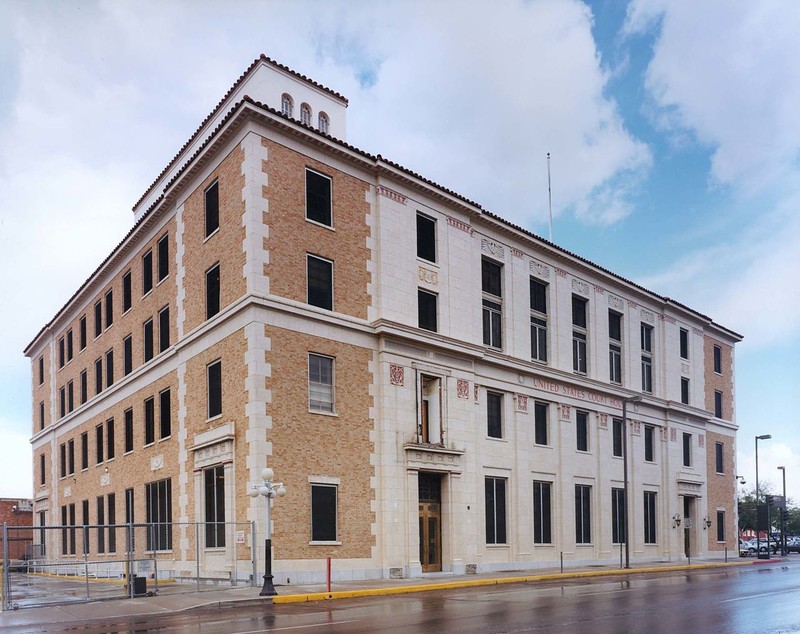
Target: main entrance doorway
{"type": "Point", "coordinates": [688, 524]}
{"type": "Point", "coordinates": [430, 522]}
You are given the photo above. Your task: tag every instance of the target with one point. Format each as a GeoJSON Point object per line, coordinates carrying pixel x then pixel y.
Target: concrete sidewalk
{"type": "Point", "coordinates": [169, 600]}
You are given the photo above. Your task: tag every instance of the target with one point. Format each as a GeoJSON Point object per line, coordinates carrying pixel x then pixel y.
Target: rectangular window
{"type": "Point", "coordinates": [98, 319]}
{"type": "Point", "coordinates": [112, 520]}
{"type": "Point", "coordinates": [684, 345]}
{"type": "Point", "coordinates": [323, 513]}
{"type": "Point", "coordinates": [542, 522]}
{"type": "Point", "coordinates": [85, 450]}
{"type": "Point", "coordinates": [212, 208]}
{"type": "Point", "coordinates": [127, 302]}
{"type": "Point", "coordinates": [684, 390]}
{"type": "Point", "coordinates": [101, 521]}
{"type": "Point", "coordinates": [70, 397]}
{"type": "Point", "coordinates": [720, 526]}
{"type": "Point", "coordinates": [41, 415]}
{"type": "Point", "coordinates": [127, 355]}
{"type": "Point", "coordinates": [41, 370]}
{"type": "Point", "coordinates": [110, 439]}
{"type": "Point", "coordinates": [717, 359]}
{"type": "Point", "coordinates": [64, 532]}
{"type": "Point", "coordinates": [614, 347]}
{"type": "Point", "coordinates": [84, 386]}
{"type": "Point", "coordinates": [158, 502]}
{"type": "Point", "coordinates": [617, 440]}
{"type": "Point", "coordinates": [62, 404]}
{"type": "Point", "coordinates": [583, 514]}
{"type": "Point", "coordinates": [495, 510]}
{"type": "Point", "coordinates": [579, 333]}
{"type": "Point", "coordinates": [540, 423]}
{"type": "Point", "coordinates": [649, 443]}
{"type": "Point", "coordinates": [426, 238]}
{"type": "Point", "coordinates": [687, 450]}
{"type": "Point", "coordinates": [426, 310]}
{"type": "Point", "coordinates": [128, 430]}
{"type": "Point", "coordinates": [717, 404]}
{"type": "Point", "coordinates": [147, 273]}
{"type": "Point", "coordinates": [70, 457]}
{"type": "Point", "coordinates": [213, 301]}
{"type": "Point", "coordinates": [618, 522]}
{"type": "Point", "coordinates": [82, 332]}
{"type": "Point", "coordinates": [62, 460]}
{"type": "Point", "coordinates": [214, 479]}
{"type": "Point", "coordinates": [214, 385]}
{"type": "Point", "coordinates": [165, 414]}
{"type": "Point", "coordinates": [149, 421]}
{"type": "Point", "coordinates": [318, 198]}
{"type": "Point", "coordinates": [492, 287]}
{"type": "Point", "coordinates": [69, 345]}
{"type": "Point", "coordinates": [163, 329]}
{"type": "Point", "coordinates": [61, 352]}
{"type": "Point", "coordinates": [494, 415]}
{"type": "Point", "coordinates": [130, 518]}
{"type": "Point", "coordinates": [109, 368]}
{"type": "Point", "coordinates": [147, 340]}
{"type": "Point", "coordinates": [320, 282]}
{"type": "Point", "coordinates": [42, 471]}
{"type": "Point", "coordinates": [719, 454]}
{"type": "Point", "coordinates": [582, 431]}
{"type": "Point", "coordinates": [163, 257]}
{"type": "Point", "coordinates": [98, 444]}
{"type": "Point", "coordinates": [647, 358]}
{"type": "Point", "coordinates": [320, 383]}
{"type": "Point", "coordinates": [649, 517]}
{"type": "Point", "coordinates": [109, 307]}
{"type": "Point", "coordinates": [538, 291]}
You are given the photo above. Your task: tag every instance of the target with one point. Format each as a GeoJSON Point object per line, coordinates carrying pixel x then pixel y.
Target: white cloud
{"type": "Point", "coordinates": [15, 458]}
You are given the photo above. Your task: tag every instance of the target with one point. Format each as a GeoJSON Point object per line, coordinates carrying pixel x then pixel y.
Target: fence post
{"type": "Point", "coordinates": [253, 552]}
{"type": "Point", "coordinates": [6, 586]}
{"type": "Point", "coordinates": [197, 554]}
{"type": "Point", "coordinates": [129, 559]}
{"type": "Point", "coordinates": [86, 557]}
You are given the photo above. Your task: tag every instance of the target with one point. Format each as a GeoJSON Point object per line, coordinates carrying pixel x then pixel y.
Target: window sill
{"type": "Point", "coordinates": [211, 235]}
{"type": "Point", "coordinates": [320, 413]}
{"type": "Point", "coordinates": [163, 279]}
{"type": "Point", "coordinates": [498, 546]}
{"type": "Point", "coordinates": [214, 418]}
{"type": "Point", "coordinates": [336, 543]}
{"type": "Point", "coordinates": [498, 438]}
{"type": "Point", "coordinates": [536, 444]}
{"type": "Point", "coordinates": [147, 293]}
{"type": "Point", "coordinates": [589, 545]}
{"type": "Point", "coordinates": [165, 438]}
{"type": "Point", "coordinates": [321, 224]}
{"type": "Point", "coordinates": [428, 262]}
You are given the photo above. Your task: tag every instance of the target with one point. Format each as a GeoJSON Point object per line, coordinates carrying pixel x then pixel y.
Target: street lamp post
{"type": "Point", "coordinates": [625, 401]}
{"type": "Point", "coordinates": [782, 511]}
{"type": "Point", "coordinates": [269, 490]}
{"type": "Point", "coordinates": [758, 531]}
{"type": "Point", "coordinates": [742, 481]}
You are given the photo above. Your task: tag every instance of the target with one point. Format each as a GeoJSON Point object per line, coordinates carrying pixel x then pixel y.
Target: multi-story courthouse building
{"type": "Point", "coordinates": [439, 389]}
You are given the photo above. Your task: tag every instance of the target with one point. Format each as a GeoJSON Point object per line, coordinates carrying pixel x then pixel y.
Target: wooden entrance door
{"type": "Point", "coordinates": [430, 522]}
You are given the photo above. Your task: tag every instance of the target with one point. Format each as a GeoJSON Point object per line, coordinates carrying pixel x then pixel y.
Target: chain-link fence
{"type": "Point", "coordinates": [62, 564]}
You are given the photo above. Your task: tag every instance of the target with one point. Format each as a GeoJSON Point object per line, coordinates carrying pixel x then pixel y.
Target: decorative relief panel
{"type": "Point", "coordinates": [566, 412]}
{"type": "Point", "coordinates": [428, 276]}
{"type": "Point", "coordinates": [602, 420]}
{"type": "Point", "coordinates": [475, 386]}
{"type": "Point", "coordinates": [648, 317]}
{"type": "Point", "coordinates": [663, 434]}
{"type": "Point", "coordinates": [522, 403]}
{"type": "Point", "coordinates": [632, 304]}
{"type": "Point", "coordinates": [67, 492]}
{"type": "Point", "coordinates": [599, 289]}
{"type": "Point", "coordinates": [397, 374]}
{"type": "Point", "coordinates": [462, 388]}
{"type": "Point", "coordinates": [213, 454]}
{"type": "Point", "coordinates": [579, 286]}
{"type": "Point", "coordinates": [539, 269]}
{"type": "Point", "coordinates": [156, 462]}
{"type": "Point", "coordinates": [391, 194]}
{"type": "Point", "coordinates": [673, 434]}
{"type": "Point", "coordinates": [637, 428]}
{"type": "Point", "coordinates": [685, 369]}
{"type": "Point", "coordinates": [516, 252]}
{"type": "Point", "coordinates": [561, 272]}
{"type": "Point", "coordinates": [458, 224]}
{"type": "Point", "coordinates": [701, 441]}
{"type": "Point", "coordinates": [105, 480]}
{"type": "Point", "coordinates": [615, 302]}
{"type": "Point", "coordinates": [492, 248]}
{"type": "Point", "coordinates": [667, 318]}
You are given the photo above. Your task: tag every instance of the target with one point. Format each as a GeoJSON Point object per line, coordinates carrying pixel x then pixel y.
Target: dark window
{"type": "Point", "coordinates": [614, 347]}
{"type": "Point", "coordinates": [128, 430]}
{"type": "Point", "coordinates": [112, 520]}
{"type": "Point", "coordinates": [494, 415]}
{"type": "Point", "coordinates": [158, 501]}
{"type": "Point", "coordinates": [62, 460]}
{"type": "Point", "coordinates": [684, 338]}
{"type": "Point", "coordinates": [647, 338]}
{"type": "Point", "coordinates": [149, 421]}
{"type": "Point", "coordinates": [649, 443]}
{"type": "Point", "coordinates": [583, 514]}
{"type": "Point", "coordinates": [84, 386]}
{"type": "Point", "coordinates": [127, 302]}
{"type": "Point", "coordinates": [318, 198]}
{"type": "Point", "coordinates": [130, 518]}
{"type": "Point", "coordinates": [215, 506]}
{"type": "Point", "coordinates": [64, 532]}
{"type": "Point", "coordinates": [538, 320]}
{"type": "Point", "coordinates": [579, 312]}
{"type": "Point", "coordinates": [70, 456]}
{"type": "Point", "coordinates": [687, 450]}
{"type": "Point", "coordinates": [618, 437]}
{"type": "Point", "coordinates": [582, 431]}
{"type": "Point", "coordinates": [147, 340]}
{"type": "Point", "coordinates": [147, 272]}
{"type": "Point", "coordinates": [82, 332]}
{"type": "Point", "coordinates": [101, 520]}
{"type": "Point", "coordinates": [109, 307]}
{"type": "Point", "coordinates": [720, 526]}
{"type": "Point", "coordinates": [614, 326]}
{"type": "Point", "coordinates": [320, 383]}
{"type": "Point", "coordinates": [323, 513]}
{"type": "Point", "coordinates": [165, 414]}
{"type": "Point", "coordinates": [426, 238]}
{"type": "Point", "coordinates": [538, 296]}
{"type": "Point", "coordinates": [70, 397]}
{"type": "Point", "coordinates": [98, 445]}
{"type": "Point", "coordinates": [42, 471]}
{"type": "Point", "coordinates": [320, 282]}
{"type": "Point", "coordinates": [684, 390]}
{"type": "Point", "coordinates": [647, 358]}
{"type": "Point", "coordinates": [719, 450]}
{"type": "Point", "coordinates": [542, 522]}
{"type": "Point", "coordinates": [649, 517]}
{"type": "Point", "coordinates": [163, 257]}
{"type": "Point", "coordinates": [212, 209]}
{"type": "Point", "coordinates": [85, 450]}
{"type": "Point", "coordinates": [495, 510]}
{"type": "Point", "coordinates": [717, 404]}
{"type": "Point", "coordinates": [41, 370]}
{"type": "Point", "coordinates": [110, 439]}
{"type": "Point", "coordinates": [540, 423]}
{"type": "Point", "coordinates": [426, 310]}
{"type": "Point", "coordinates": [579, 349]}
{"type": "Point", "coordinates": [69, 344]}
{"type": "Point", "coordinates": [215, 389]}
{"type": "Point", "coordinates": [491, 277]}
{"type": "Point", "coordinates": [618, 523]}
{"type": "Point", "coordinates": [717, 359]}
{"type": "Point", "coordinates": [41, 415]}
{"type": "Point", "coordinates": [61, 352]}
{"type": "Point", "coordinates": [127, 355]}
{"type": "Point", "coordinates": [109, 368]}
{"type": "Point", "coordinates": [163, 329]}
{"type": "Point", "coordinates": [491, 284]}
{"type": "Point", "coordinates": [98, 319]}
{"type": "Point", "coordinates": [62, 402]}
{"type": "Point", "coordinates": [212, 291]}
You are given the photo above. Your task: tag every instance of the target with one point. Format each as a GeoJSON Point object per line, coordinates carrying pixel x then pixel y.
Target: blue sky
{"type": "Point", "coordinates": [672, 126]}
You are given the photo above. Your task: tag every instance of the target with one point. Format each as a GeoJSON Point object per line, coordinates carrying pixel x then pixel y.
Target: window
{"type": "Point", "coordinates": [147, 273]}
{"type": "Point", "coordinates": [323, 123]}
{"type": "Point", "coordinates": [538, 320]}
{"type": "Point", "coordinates": [214, 381]}
{"type": "Point", "coordinates": [62, 410]}
{"type": "Point", "coordinates": [495, 510]}
{"type": "Point", "coordinates": [214, 480]}
{"type": "Point", "coordinates": [320, 383]}
{"type": "Point", "coordinates": [128, 430]}
{"type": "Point", "coordinates": [109, 307]}
{"type": "Point", "coordinates": [41, 415]}
{"type": "Point", "coordinates": [687, 450]}
{"type": "Point", "coordinates": [158, 502]}
{"type": "Point", "coordinates": [61, 352]}
{"type": "Point", "coordinates": [491, 284]}
{"type": "Point", "coordinates": [163, 257]}
{"type": "Point", "coordinates": [147, 340]}
{"type": "Point", "coordinates": [212, 291]}
{"type": "Point", "coordinates": [583, 514]}
{"type": "Point", "coordinates": [647, 358]}
{"type": "Point", "coordinates": [98, 444]}
{"type": "Point", "coordinates": [494, 415]}
{"type": "Point", "coordinates": [684, 390]}
{"type": "Point", "coordinates": [579, 332]}
{"type": "Point", "coordinates": [614, 347]}
{"type": "Point", "coordinates": [684, 345]}
{"type": "Point", "coordinates": [649, 443]}
{"type": "Point", "coordinates": [212, 208]}
{"type": "Point", "coordinates": [101, 520]}
{"type": "Point", "coordinates": [98, 375]}
{"type": "Point", "coordinates": [82, 332]}
{"type": "Point", "coordinates": [540, 423]}
{"type": "Point", "coordinates": [618, 522]}
{"type": "Point", "coordinates": [426, 310]}
{"type": "Point", "coordinates": [130, 519]}
{"type": "Point", "coordinates": [287, 105]}
{"type": "Point", "coordinates": [98, 319]}
{"type": "Point", "coordinates": [323, 513]}
{"type": "Point", "coordinates": [149, 421]}
{"type": "Point", "coordinates": [110, 439]}
{"type": "Point", "coordinates": [305, 114]}
{"type": "Point", "coordinates": [582, 431]}
{"type": "Point", "coordinates": [618, 438]}
{"type": "Point", "coordinates": [717, 404]}
{"type": "Point", "coordinates": [163, 329]}
{"type": "Point", "coordinates": [127, 355]}
{"type": "Point", "coordinates": [717, 359]}
{"type": "Point", "coordinates": [84, 386]}
{"type": "Point", "coordinates": [318, 198]}
{"type": "Point", "coordinates": [127, 302]}
{"type": "Point", "coordinates": [62, 460]}
{"type": "Point", "coordinates": [542, 521]}
{"type": "Point", "coordinates": [720, 526]}
{"type": "Point", "coordinates": [69, 345]}
{"type": "Point", "coordinates": [84, 450]}
{"type": "Point", "coordinates": [426, 238]}
{"type": "Point", "coordinates": [165, 414]}
{"type": "Point", "coordinates": [70, 397]}
{"type": "Point", "coordinates": [109, 368]}
{"type": "Point", "coordinates": [719, 453]}
{"type": "Point", "coordinates": [649, 517]}
{"type": "Point", "coordinates": [71, 457]}
{"type": "Point", "coordinates": [320, 282]}
{"type": "Point", "coordinates": [112, 520]}
{"type": "Point", "coordinates": [41, 370]}
{"type": "Point", "coordinates": [429, 409]}
{"type": "Point", "coordinates": [42, 471]}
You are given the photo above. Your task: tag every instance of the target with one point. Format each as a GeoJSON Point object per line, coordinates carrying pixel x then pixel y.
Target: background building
{"type": "Point", "coordinates": [437, 388]}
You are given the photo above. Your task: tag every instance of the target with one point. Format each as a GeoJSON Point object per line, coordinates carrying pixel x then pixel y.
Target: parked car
{"type": "Point", "coordinates": [793, 544]}
{"type": "Point", "coordinates": [744, 548]}
{"type": "Point", "coordinates": [764, 546]}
